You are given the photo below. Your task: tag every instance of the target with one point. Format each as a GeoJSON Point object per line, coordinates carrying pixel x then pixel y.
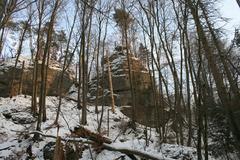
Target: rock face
{"type": "Point", "coordinates": [121, 83]}
{"type": "Point", "coordinates": [54, 73]}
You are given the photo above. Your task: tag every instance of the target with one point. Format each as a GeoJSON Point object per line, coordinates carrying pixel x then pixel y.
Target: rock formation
{"type": "Point", "coordinates": [54, 73]}
{"type": "Point", "coordinates": [121, 83]}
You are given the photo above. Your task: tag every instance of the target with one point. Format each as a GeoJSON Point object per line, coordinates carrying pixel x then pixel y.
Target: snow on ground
{"type": "Point", "coordinates": [13, 143]}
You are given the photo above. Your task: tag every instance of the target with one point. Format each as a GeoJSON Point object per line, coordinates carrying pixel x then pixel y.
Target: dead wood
{"type": "Point", "coordinates": [85, 133]}
{"type": "Point", "coordinates": [128, 151]}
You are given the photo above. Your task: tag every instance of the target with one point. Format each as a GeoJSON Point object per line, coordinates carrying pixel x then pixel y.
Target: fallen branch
{"type": "Point", "coordinates": [85, 133]}
{"type": "Point", "coordinates": [68, 139]}
{"type": "Point", "coordinates": [71, 99]}
{"type": "Point", "coordinates": [128, 151]}
{"type": "Point", "coordinates": [1, 149]}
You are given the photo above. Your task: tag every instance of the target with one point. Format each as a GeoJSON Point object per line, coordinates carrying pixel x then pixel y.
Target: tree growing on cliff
{"type": "Point", "coordinates": [124, 21]}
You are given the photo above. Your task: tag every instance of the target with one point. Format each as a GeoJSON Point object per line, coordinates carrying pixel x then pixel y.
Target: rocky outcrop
{"type": "Point", "coordinates": [54, 73]}
{"type": "Point", "coordinates": [19, 117]}
{"type": "Point", "coordinates": [121, 82]}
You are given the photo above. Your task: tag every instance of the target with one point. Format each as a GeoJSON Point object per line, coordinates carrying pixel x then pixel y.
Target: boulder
{"type": "Point", "coordinates": [70, 152]}
{"type": "Point", "coordinates": [54, 72]}
{"type": "Point", "coordinates": [48, 151]}
{"type": "Point", "coordinates": [19, 117]}
{"type": "Point", "coordinates": [23, 118]}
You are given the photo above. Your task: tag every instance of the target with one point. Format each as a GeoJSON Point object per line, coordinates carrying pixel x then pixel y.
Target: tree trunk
{"type": "Point", "coordinates": [1, 41]}
{"type": "Point", "coordinates": [218, 77]}
{"type": "Point", "coordinates": [130, 73]}
{"type": "Point", "coordinates": [36, 67]}
{"type": "Point", "coordinates": [84, 27]}
{"type": "Point", "coordinates": [43, 67]}
{"type": "Point", "coordinates": [64, 68]}
{"type": "Point", "coordinates": [238, 2]}
{"type": "Point", "coordinates": [110, 84]}
{"type": "Point", "coordinates": [103, 74]}
{"type": "Point", "coordinates": [19, 50]}
{"type": "Point", "coordinates": [21, 79]}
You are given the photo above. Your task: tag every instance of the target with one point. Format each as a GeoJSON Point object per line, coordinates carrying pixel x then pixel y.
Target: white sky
{"type": "Point", "coordinates": [230, 9]}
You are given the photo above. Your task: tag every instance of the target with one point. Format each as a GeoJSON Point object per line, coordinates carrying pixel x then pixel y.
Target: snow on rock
{"type": "Point", "coordinates": [10, 62]}
{"type": "Point", "coordinates": [120, 80]}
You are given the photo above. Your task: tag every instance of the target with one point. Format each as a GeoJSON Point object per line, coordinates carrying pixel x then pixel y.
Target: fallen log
{"type": "Point", "coordinates": [128, 151]}
{"type": "Point", "coordinates": [85, 133]}
{"type": "Point", "coordinates": [5, 148]}
{"type": "Point", "coordinates": [67, 139]}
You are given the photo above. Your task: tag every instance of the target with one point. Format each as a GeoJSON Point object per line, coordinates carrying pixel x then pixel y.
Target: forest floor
{"type": "Point", "coordinates": [16, 123]}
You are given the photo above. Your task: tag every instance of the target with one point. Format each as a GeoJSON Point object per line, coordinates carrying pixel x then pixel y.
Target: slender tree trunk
{"type": "Point", "coordinates": [44, 118]}
{"type": "Point", "coordinates": [43, 67]}
{"type": "Point", "coordinates": [34, 87]}
{"type": "Point", "coordinates": [1, 41]}
{"type": "Point", "coordinates": [84, 107]}
{"type": "Point", "coordinates": [200, 107]}
{"type": "Point", "coordinates": [36, 64]}
{"type": "Point", "coordinates": [21, 79]}
{"type": "Point", "coordinates": [64, 68]}
{"type": "Point", "coordinates": [97, 65]}
{"type": "Point", "coordinates": [103, 74]}
{"type": "Point", "coordinates": [186, 54]}
{"type": "Point", "coordinates": [110, 84]}
{"type": "Point", "coordinates": [205, 116]}
{"type": "Point", "coordinates": [130, 74]}
{"type": "Point", "coordinates": [19, 50]}
{"type": "Point", "coordinates": [199, 130]}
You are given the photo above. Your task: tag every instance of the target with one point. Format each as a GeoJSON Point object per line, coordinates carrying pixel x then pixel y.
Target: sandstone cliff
{"type": "Point", "coordinates": [54, 73]}
{"type": "Point", "coordinates": [121, 83]}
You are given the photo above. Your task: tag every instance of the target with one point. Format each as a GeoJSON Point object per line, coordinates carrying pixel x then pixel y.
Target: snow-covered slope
{"type": "Point", "coordinates": [14, 140]}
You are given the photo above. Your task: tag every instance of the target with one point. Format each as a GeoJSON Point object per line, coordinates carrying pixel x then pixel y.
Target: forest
{"type": "Point", "coordinates": [118, 79]}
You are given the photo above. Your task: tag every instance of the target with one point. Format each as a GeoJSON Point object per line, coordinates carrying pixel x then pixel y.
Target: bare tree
{"type": "Point", "coordinates": [65, 66]}
{"type": "Point", "coordinates": [123, 20]}
{"type": "Point", "coordinates": [7, 9]}
{"type": "Point", "coordinates": [25, 27]}
{"type": "Point", "coordinates": [110, 84]}
{"type": "Point", "coordinates": [86, 17]}
{"type": "Point", "coordinates": [108, 7]}
{"type": "Point", "coordinates": [218, 76]}
{"type": "Point", "coordinates": [42, 101]}
{"type": "Point", "coordinates": [40, 9]}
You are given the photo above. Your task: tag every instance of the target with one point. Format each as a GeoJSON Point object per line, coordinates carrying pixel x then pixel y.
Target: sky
{"type": "Point", "coordinates": [230, 9]}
